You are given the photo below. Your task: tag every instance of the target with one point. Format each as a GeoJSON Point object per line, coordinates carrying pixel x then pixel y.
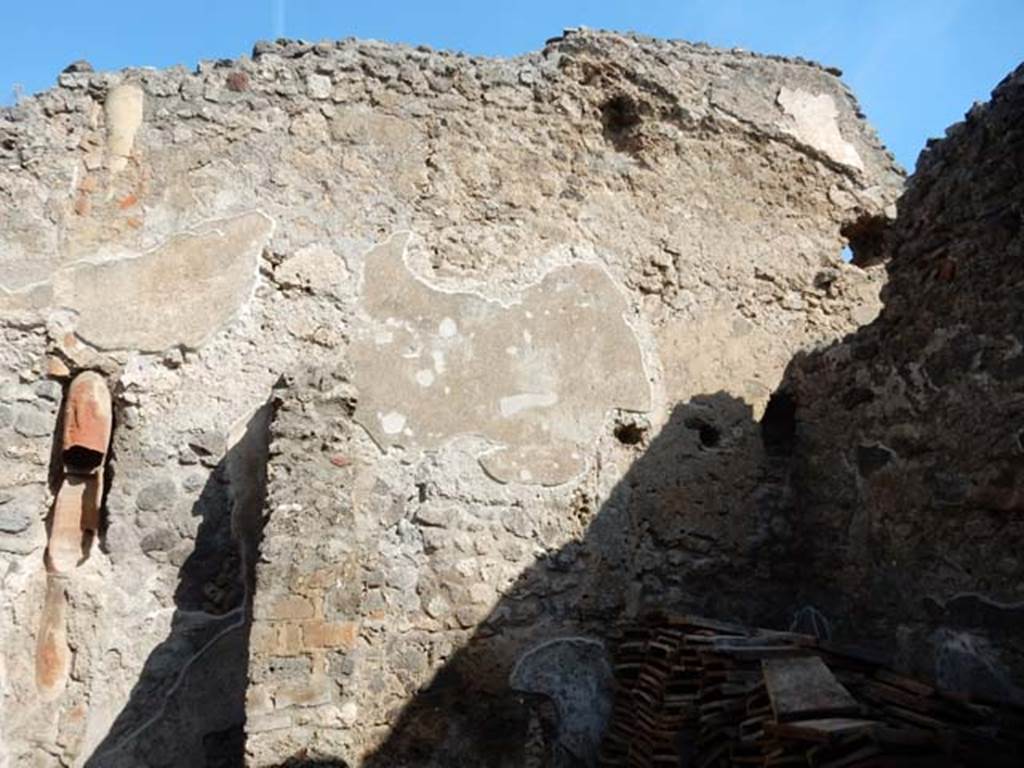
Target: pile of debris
{"type": "Point", "coordinates": [697, 692]}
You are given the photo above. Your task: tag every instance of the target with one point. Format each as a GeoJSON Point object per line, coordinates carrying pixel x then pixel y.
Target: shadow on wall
{"type": "Point", "coordinates": [883, 485]}
{"type": "Point", "coordinates": [910, 469]}
{"type": "Point", "coordinates": [757, 523]}
{"type": "Point", "coordinates": [188, 706]}
{"type": "Point", "coordinates": [700, 522]}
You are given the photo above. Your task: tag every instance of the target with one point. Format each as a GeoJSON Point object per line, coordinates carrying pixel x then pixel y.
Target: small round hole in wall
{"type": "Point", "coordinates": [629, 433]}
{"type": "Point", "coordinates": [708, 434]}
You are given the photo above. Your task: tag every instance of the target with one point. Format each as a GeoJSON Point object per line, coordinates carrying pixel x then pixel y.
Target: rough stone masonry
{"type": "Point", "coordinates": [427, 369]}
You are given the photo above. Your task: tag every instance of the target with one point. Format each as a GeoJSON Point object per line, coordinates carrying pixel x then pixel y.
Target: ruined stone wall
{"type": "Point", "coordinates": [548, 298]}
{"type": "Point", "coordinates": [910, 461]}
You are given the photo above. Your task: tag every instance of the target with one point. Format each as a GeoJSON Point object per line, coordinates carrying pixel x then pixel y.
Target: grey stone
{"type": "Point", "coordinates": [31, 422]}
{"type": "Point", "coordinates": [79, 65]}
{"type": "Point", "coordinates": [208, 446]}
{"type": "Point", "coordinates": [276, 668]}
{"type": "Point", "coordinates": [967, 663]}
{"type": "Point", "coordinates": [187, 456]}
{"type": "Point", "coordinates": [402, 577]}
{"type": "Point", "coordinates": [193, 482]}
{"type": "Point", "coordinates": [439, 515]}
{"type": "Point", "coordinates": [13, 517]}
{"type": "Point", "coordinates": [343, 600]}
{"type": "Point", "coordinates": [10, 391]}
{"type": "Point", "coordinates": [575, 673]}
{"type": "Point", "coordinates": [49, 390]}
{"type": "Point", "coordinates": [872, 458]}
{"type": "Point", "coordinates": [160, 540]}
{"type": "Point", "coordinates": [318, 86]}
{"type": "Point", "coordinates": [436, 606]}
{"type": "Point", "coordinates": [20, 508]}
{"type": "Point", "coordinates": [517, 521]}
{"type": "Point", "coordinates": [156, 455]}
{"type": "Point", "coordinates": [156, 496]}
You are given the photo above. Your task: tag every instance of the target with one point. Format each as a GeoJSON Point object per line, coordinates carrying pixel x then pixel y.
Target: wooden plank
{"type": "Point", "coordinates": [801, 688]}
{"type": "Point", "coordinates": [758, 641]}
{"type": "Point", "coordinates": [702, 622]}
{"type": "Point", "coordinates": [915, 718]}
{"type": "Point", "coordinates": [858, 654]}
{"type": "Point", "coordinates": [888, 694]}
{"type": "Point", "coordinates": [769, 698]}
{"type": "Point", "coordinates": [756, 652]}
{"type": "Point", "coordinates": [890, 735]}
{"type": "Point", "coordinates": [783, 760]}
{"type": "Point", "coordinates": [862, 754]}
{"type": "Point", "coordinates": [711, 757]}
{"type": "Point", "coordinates": [820, 729]}
{"type": "Point", "coordinates": [797, 638]}
{"type": "Point", "coordinates": [906, 683]}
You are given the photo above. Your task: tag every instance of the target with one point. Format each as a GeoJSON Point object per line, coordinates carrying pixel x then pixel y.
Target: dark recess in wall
{"type": "Point", "coordinates": [778, 425]}
{"type": "Point", "coordinates": [866, 237]}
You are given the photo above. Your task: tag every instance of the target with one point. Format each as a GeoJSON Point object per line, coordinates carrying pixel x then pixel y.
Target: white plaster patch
{"type": "Point", "coordinates": [392, 423]}
{"type": "Point", "coordinates": [124, 109]}
{"type": "Point", "coordinates": [815, 123]}
{"type": "Point", "coordinates": [181, 292]}
{"type": "Point", "coordinates": [513, 404]}
{"type": "Point", "coordinates": [447, 328]}
{"type": "Point", "coordinates": [540, 412]}
{"type": "Point", "coordinates": [439, 362]}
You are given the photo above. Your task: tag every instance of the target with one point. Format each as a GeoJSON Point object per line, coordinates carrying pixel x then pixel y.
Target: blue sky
{"type": "Point", "coordinates": [915, 65]}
